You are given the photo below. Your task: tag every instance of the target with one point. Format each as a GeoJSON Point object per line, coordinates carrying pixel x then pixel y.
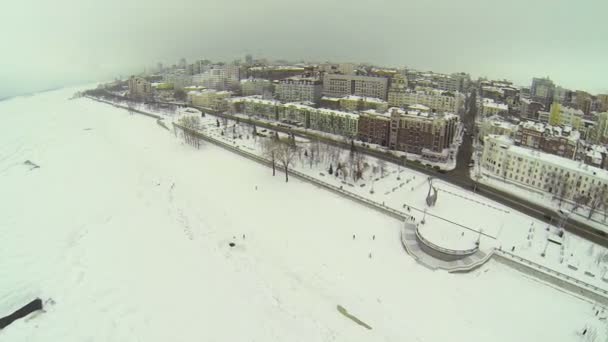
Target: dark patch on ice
{"type": "Point", "coordinates": [32, 306]}
{"type": "Point", "coordinates": [353, 318]}
{"type": "Point", "coordinates": [232, 244]}
{"type": "Point", "coordinates": [32, 165]}
{"type": "Point", "coordinates": [87, 129]}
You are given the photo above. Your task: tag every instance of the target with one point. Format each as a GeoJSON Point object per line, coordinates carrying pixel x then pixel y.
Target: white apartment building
{"type": "Point", "coordinates": [298, 89]}
{"type": "Point", "coordinates": [208, 98]}
{"type": "Point", "coordinates": [497, 126]}
{"type": "Point", "coordinates": [219, 77]}
{"type": "Point", "coordinates": [559, 176]}
{"type": "Point", "coordinates": [490, 107]}
{"type": "Point", "coordinates": [438, 100]}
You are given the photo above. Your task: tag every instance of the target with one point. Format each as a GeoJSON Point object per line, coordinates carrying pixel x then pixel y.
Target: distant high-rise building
{"type": "Point", "coordinates": [542, 90]}
{"type": "Point", "coordinates": [219, 77]}
{"type": "Point", "coordinates": [248, 59]}
{"type": "Point", "coordinates": [583, 101]}
{"type": "Point", "coordinates": [563, 115]}
{"type": "Point", "coordinates": [159, 67]}
{"type": "Point", "coordinates": [182, 63]}
{"type": "Point", "coordinates": [346, 68]}
{"type": "Point", "coordinates": [139, 88]}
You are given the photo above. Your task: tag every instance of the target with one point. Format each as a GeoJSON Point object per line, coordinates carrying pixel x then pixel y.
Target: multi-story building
{"type": "Point", "coordinates": [428, 134]}
{"type": "Point", "coordinates": [296, 114]}
{"type": "Point", "coordinates": [321, 119]}
{"type": "Point", "coordinates": [209, 98]}
{"type": "Point", "coordinates": [438, 100]}
{"type": "Point", "coordinates": [562, 177]}
{"type": "Point", "coordinates": [599, 133]}
{"type": "Point", "coordinates": [336, 85]}
{"type": "Point", "coordinates": [529, 109]}
{"type": "Point", "coordinates": [255, 106]}
{"type": "Point", "coordinates": [219, 77]}
{"type": "Point", "coordinates": [298, 89]}
{"type": "Point", "coordinates": [459, 82]}
{"type": "Point", "coordinates": [542, 90]}
{"type": "Point", "coordinates": [562, 115]}
{"type": "Point", "coordinates": [139, 88]}
{"type": "Point", "coordinates": [583, 101]}
{"type": "Point", "coordinates": [561, 141]}
{"type": "Point", "coordinates": [334, 121]}
{"type": "Point", "coordinates": [603, 100]}
{"type": "Point", "coordinates": [347, 68]}
{"type": "Point", "coordinates": [490, 107]}
{"type": "Point", "coordinates": [496, 125]}
{"type": "Point", "coordinates": [425, 133]}
{"type": "Point", "coordinates": [178, 78]}
{"type": "Point", "coordinates": [256, 86]}
{"type": "Point", "coordinates": [353, 103]}
{"type": "Point", "coordinates": [374, 127]}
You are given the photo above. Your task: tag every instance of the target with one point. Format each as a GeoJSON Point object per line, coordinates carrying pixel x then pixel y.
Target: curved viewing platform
{"type": "Point", "coordinates": [433, 256]}
{"type": "Point", "coordinates": [446, 245]}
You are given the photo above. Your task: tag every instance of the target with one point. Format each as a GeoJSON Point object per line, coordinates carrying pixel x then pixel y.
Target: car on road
{"type": "Point", "coordinates": [471, 163]}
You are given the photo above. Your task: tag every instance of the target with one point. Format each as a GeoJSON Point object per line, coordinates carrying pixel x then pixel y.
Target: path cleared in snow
{"type": "Point", "coordinates": [127, 231]}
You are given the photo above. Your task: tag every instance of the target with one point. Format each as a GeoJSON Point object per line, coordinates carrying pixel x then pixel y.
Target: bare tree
{"type": "Point", "coordinates": [190, 124]}
{"type": "Point", "coordinates": [382, 167]}
{"type": "Point", "coordinates": [270, 151]}
{"type": "Point", "coordinates": [358, 166]}
{"type": "Point", "coordinates": [596, 199]}
{"type": "Point", "coordinates": [286, 152]}
{"type": "Point", "coordinates": [564, 183]}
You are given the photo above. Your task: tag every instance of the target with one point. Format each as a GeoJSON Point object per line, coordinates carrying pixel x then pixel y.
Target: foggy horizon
{"type": "Point", "coordinates": [67, 42]}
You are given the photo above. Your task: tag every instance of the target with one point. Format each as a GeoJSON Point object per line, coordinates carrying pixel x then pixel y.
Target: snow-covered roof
{"type": "Point", "coordinates": [337, 113]}
{"type": "Point", "coordinates": [363, 98]}
{"type": "Point", "coordinates": [330, 98]}
{"type": "Point", "coordinates": [419, 107]}
{"type": "Point", "coordinates": [489, 103]}
{"type": "Point", "coordinates": [255, 99]}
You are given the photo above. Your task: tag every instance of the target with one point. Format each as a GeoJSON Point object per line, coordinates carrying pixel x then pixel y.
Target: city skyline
{"type": "Point", "coordinates": [68, 42]}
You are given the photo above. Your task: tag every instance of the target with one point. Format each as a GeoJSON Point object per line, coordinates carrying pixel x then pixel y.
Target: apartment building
{"type": "Point", "coordinates": [529, 109]}
{"type": "Point", "coordinates": [553, 174]}
{"type": "Point", "coordinates": [139, 88]}
{"type": "Point", "coordinates": [219, 77]}
{"type": "Point", "coordinates": [428, 134]}
{"type": "Point", "coordinates": [256, 86]}
{"type": "Point", "coordinates": [298, 89]}
{"type": "Point", "coordinates": [543, 91]}
{"type": "Point", "coordinates": [336, 85]}
{"type": "Point", "coordinates": [563, 115]}
{"type": "Point", "coordinates": [440, 101]}
{"type": "Point", "coordinates": [489, 107]}
{"type": "Point", "coordinates": [374, 127]}
{"type": "Point", "coordinates": [209, 98]}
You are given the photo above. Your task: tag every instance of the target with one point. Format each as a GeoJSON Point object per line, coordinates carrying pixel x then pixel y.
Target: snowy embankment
{"type": "Point", "coordinates": [126, 230]}
{"type": "Point", "coordinates": [458, 220]}
{"type": "Point", "coordinates": [454, 223]}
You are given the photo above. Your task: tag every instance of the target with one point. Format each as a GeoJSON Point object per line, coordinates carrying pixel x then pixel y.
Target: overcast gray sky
{"type": "Point", "coordinates": [53, 43]}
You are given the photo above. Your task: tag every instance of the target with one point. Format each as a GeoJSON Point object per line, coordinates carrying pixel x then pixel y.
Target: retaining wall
{"type": "Point", "coordinates": [556, 278]}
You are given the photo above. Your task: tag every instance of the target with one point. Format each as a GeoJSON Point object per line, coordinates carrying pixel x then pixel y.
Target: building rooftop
{"type": "Point", "coordinates": [255, 99]}
{"type": "Point", "coordinates": [489, 103]}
